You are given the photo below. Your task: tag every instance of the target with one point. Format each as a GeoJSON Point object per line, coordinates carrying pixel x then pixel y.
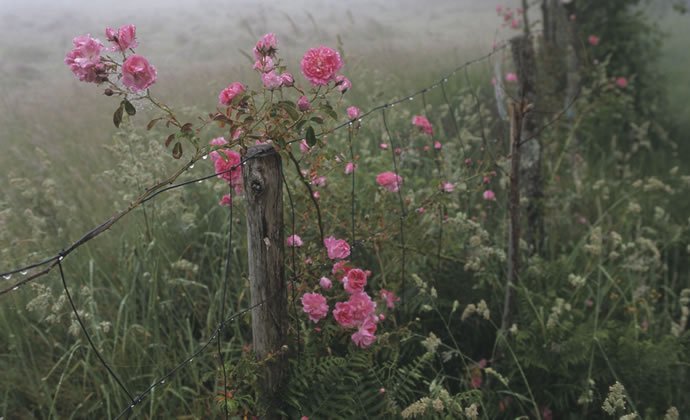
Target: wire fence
{"type": "Point", "coordinates": [38, 269]}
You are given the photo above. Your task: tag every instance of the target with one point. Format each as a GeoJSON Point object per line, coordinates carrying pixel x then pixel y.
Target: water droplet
{"type": "Point", "coordinates": [7, 276]}
{"type": "Point", "coordinates": [200, 181]}
{"type": "Point", "coordinates": [24, 273]}
{"type": "Point", "coordinates": [359, 120]}
{"type": "Point", "coordinates": [131, 406]}
{"type": "Point", "coordinates": [60, 258]}
{"type": "Point", "coordinates": [350, 123]}
{"type": "Point", "coordinates": [162, 381]}
{"type": "Point", "coordinates": [411, 98]}
{"type": "Point", "coordinates": [445, 80]}
{"type": "Point", "coordinates": [15, 288]}
{"type": "Point", "coordinates": [392, 105]}
{"type": "Point", "coordinates": [190, 360]}
{"type": "Point", "coordinates": [204, 157]}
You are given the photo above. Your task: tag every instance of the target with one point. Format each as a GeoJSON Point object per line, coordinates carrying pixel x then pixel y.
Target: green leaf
{"type": "Point", "coordinates": [311, 136]}
{"type": "Point", "coordinates": [117, 116]}
{"type": "Point", "coordinates": [177, 150]}
{"type": "Point", "coordinates": [328, 109]}
{"type": "Point", "coordinates": [129, 108]}
{"type": "Point", "coordinates": [290, 108]}
{"type": "Point", "coordinates": [317, 120]}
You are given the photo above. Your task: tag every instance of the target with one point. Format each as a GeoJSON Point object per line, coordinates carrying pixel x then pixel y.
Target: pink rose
{"type": "Point", "coordinates": [124, 38]}
{"type": "Point", "coordinates": [303, 104]}
{"type": "Point", "coordinates": [389, 181]}
{"type": "Point", "coordinates": [319, 181]}
{"type": "Point", "coordinates": [383, 146]}
{"type": "Point", "coordinates": [227, 166]}
{"type": "Point", "coordinates": [271, 80]}
{"type": "Point", "coordinates": [353, 112]}
{"type": "Point", "coordinates": [511, 77]}
{"type": "Point", "coordinates": [264, 64]}
{"type": "Point", "coordinates": [364, 337]}
{"type": "Point", "coordinates": [489, 195]}
{"type": "Point", "coordinates": [593, 40]}
{"type": "Point", "coordinates": [304, 147]}
{"type": "Point", "coordinates": [622, 82]}
{"type": "Point", "coordinates": [294, 241]}
{"type": "Point", "coordinates": [316, 195]}
{"type": "Point", "coordinates": [362, 307]}
{"type": "Point", "coordinates": [229, 93]}
{"type": "Point", "coordinates": [338, 249]}
{"type": "Point", "coordinates": [84, 59]}
{"type": "Point", "coordinates": [423, 123]}
{"type": "Point", "coordinates": [389, 297]}
{"type": "Point", "coordinates": [437, 145]}
{"type": "Point", "coordinates": [267, 46]}
{"type": "Point", "coordinates": [355, 280]}
{"type": "Point", "coordinates": [340, 269]}
{"type": "Point", "coordinates": [287, 80]}
{"type": "Point", "coordinates": [344, 315]}
{"type": "Point", "coordinates": [447, 187]}
{"type": "Point", "coordinates": [137, 73]}
{"type": "Point", "coordinates": [226, 201]}
{"type": "Point", "coordinates": [342, 83]}
{"type": "Point", "coordinates": [314, 304]}
{"type": "Point", "coordinates": [320, 65]}
{"type": "Point", "coordinates": [218, 141]}
{"type": "Point", "coordinates": [325, 283]}
{"type": "Point", "coordinates": [350, 168]}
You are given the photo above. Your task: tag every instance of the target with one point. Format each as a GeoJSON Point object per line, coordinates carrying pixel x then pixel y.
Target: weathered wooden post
{"type": "Point", "coordinates": [264, 194]}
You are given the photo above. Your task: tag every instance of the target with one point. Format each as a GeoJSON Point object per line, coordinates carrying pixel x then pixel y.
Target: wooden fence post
{"type": "Point", "coordinates": [263, 187]}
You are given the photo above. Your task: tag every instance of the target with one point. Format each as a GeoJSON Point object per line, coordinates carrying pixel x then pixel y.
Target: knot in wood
{"type": "Point", "coordinates": [257, 186]}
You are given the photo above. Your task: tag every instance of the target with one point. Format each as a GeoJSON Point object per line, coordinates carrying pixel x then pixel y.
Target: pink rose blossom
{"type": "Point", "coordinates": [340, 270]}
{"type": "Point", "coordinates": [320, 65]}
{"type": "Point", "coordinates": [338, 249]}
{"type": "Point", "coordinates": [364, 337]}
{"type": "Point", "coordinates": [304, 147]}
{"type": "Point", "coordinates": [426, 148]}
{"type": "Point", "coordinates": [294, 241]}
{"type": "Point", "coordinates": [383, 146]}
{"type": "Point", "coordinates": [316, 195]}
{"type": "Point", "coordinates": [84, 59]}
{"type": "Point", "coordinates": [325, 283]}
{"type": "Point", "coordinates": [227, 166]}
{"type": "Point", "coordinates": [423, 123]}
{"type": "Point", "coordinates": [267, 46]}
{"type": "Point", "coordinates": [137, 73]}
{"type": "Point", "coordinates": [350, 168]}
{"type": "Point", "coordinates": [226, 201]}
{"type": "Point", "coordinates": [218, 141]}
{"type": "Point", "coordinates": [319, 181]}
{"type": "Point", "coordinates": [593, 40]}
{"type": "Point", "coordinates": [303, 104]}
{"type": "Point", "coordinates": [362, 307]}
{"type": "Point", "coordinates": [622, 82]}
{"type": "Point", "coordinates": [342, 83]}
{"type": "Point", "coordinates": [515, 24]}
{"type": "Point", "coordinates": [271, 80]}
{"type": "Point", "coordinates": [264, 65]}
{"type": "Point", "coordinates": [511, 77]}
{"type": "Point", "coordinates": [344, 315]}
{"type": "Point", "coordinates": [287, 80]}
{"type": "Point", "coordinates": [229, 93]}
{"type": "Point", "coordinates": [315, 305]}
{"type": "Point", "coordinates": [355, 280]}
{"type": "Point", "coordinates": [421, 210]}
{"type": "Point", "coordinates": [437, 145]}
{"type": "Point", "coordinates": [124, 38]}
{"type": "Point", "coordinates": [448, 187]}
{"type": "Point", "coordinates": [389, 181]}
{"type": "Point", "coordinates": [489, 195]}
{"type": "Point", "coordinates": [353, 112]}
{"type": "Point", "coordinates": [389, 297]}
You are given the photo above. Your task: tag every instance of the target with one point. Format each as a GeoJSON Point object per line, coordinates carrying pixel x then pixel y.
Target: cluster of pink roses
{"type": "Point", "coordinates": [227, 166]}
{"type": "Point", "coordinates": [510, 18]}
{"type": "Point", "coordinates": [88, 65]}
{"type": "Point", "coordinates": [358, 312]}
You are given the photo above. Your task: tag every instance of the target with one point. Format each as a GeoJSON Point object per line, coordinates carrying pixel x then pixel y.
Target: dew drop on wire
{"type": "Point", "coordinates": [24, 273]}
{"type": "Point", "coordinates": [200, 181]}
{"type": "Point", "coordinates": [204, 157]}
{"type": "Point", "coordinates": [191, 166]}
{"type": "Point", "coordinates": [15, 288]}
{"type": "Point", "coordinates": [7, 276]}
{"type": "Point", "coordinates": [162, 381]}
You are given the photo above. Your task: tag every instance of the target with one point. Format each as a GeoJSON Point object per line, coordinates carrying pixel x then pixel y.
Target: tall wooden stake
{"type": "Point", "coordinates": [264, 195]}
